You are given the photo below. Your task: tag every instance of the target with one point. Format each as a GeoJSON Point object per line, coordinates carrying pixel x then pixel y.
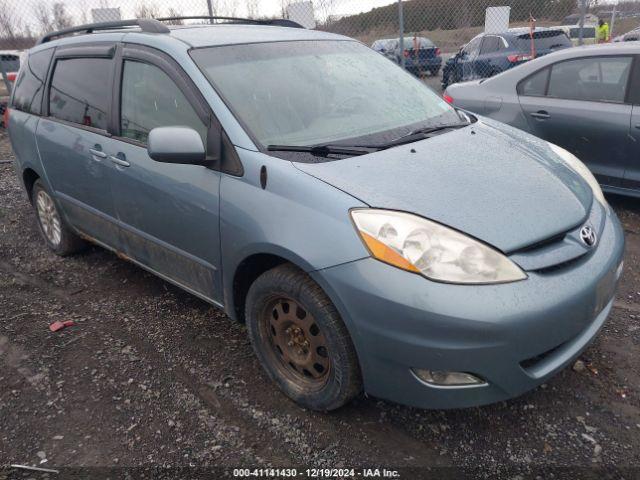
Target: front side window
{"type": "Point", "coordinates": [595, 79]}
{"type": "Point", "coordinates": [534, 85]}
{"type": "Point", "coordinates": [81, 91]}
{"type": "Point", "coordinates": [151, 99]}
{"type": "Point", "coordinates": [29, 86]}
{"type": "Point", "coordinates": [472, 47]}
{"type": "Point", "coordinates": [309, 93]}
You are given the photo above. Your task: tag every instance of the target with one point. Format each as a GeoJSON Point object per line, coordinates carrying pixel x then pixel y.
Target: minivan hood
{"type": "Point", "coordinates": [489, 180]}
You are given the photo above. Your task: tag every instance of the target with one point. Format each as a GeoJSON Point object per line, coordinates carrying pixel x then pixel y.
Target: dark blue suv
{"type": "Point", "coordinates": [491, 53]}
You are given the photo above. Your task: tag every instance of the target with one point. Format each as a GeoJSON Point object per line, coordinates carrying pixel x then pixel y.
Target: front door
{"type": "Point", "coordinates": [73, 140]}
{"type": "Point", "coordinates": [584, 110]}
{"type": "Point", "coordinates": [632, 172]}
{"type": "Point", "coordinates": [467, 60]}
{"type": "Point", "coordinates": [169, 212]}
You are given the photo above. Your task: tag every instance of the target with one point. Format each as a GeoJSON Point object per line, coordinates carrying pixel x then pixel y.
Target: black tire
{"type": "Point", "coordinates": [445, 79]}
{"type": "Point", "coordinates": [321, 325]}
{"type": "Point", "coordinates": [64, 243]}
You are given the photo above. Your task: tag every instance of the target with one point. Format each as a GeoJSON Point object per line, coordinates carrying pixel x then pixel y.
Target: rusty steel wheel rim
{"type": "Point", "coordinates": [296, 343]}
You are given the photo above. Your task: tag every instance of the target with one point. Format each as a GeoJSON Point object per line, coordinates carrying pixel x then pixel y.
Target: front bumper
{"type": "Point", "coordinates": [515, 336]}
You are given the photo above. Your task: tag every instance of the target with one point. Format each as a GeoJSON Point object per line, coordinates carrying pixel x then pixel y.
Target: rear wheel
{"type": "Point", "coordinates": [58, 236]}
{"type": "Point", "coordinates": [301, 341]}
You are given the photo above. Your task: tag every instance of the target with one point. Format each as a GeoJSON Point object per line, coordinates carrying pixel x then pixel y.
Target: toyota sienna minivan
{"type": "Point", "coordinates": [372, 237]}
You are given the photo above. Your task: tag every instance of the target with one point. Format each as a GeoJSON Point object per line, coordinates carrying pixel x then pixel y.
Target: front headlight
{"type": "Point", "coordinates": [439, 253]}
{"type": "Point", "coordinates": [580, 168]}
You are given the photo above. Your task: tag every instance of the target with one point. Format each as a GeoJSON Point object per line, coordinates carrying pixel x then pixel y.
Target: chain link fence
{"type": "Point", "coordinates": [425, 36]}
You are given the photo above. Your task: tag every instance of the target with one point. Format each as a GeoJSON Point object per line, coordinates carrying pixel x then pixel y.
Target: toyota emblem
{"type": "Point", "coordinates": [588, 236]}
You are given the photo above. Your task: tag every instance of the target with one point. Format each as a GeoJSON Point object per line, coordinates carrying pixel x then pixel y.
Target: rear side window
{"type": "Point", "coordinates": [81, 91]}
{"type": "Point", "coordinates": [151, 99]}
{"type": "Point", "coordinates": [544, 40]}
{"type": "Point", "coordinates": [587, 32]}
{"type": "Point", "coordinates": [534, 85]}
{"type": "Point", "coordinates": [595, 79]}
{"type": "Point", "coordinates": [11, 63]}
{"type": "Point", "coordinates": [29, 86]}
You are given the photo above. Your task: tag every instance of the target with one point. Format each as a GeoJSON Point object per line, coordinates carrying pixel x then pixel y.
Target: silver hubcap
{"type": "Point", "coordinates": [49, 218]}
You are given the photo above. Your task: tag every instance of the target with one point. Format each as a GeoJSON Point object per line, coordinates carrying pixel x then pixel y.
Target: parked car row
{"type": "Point", "coordinates": [488, 54]}
{"type": "Point", "coordinates": [586, 100]}
{"type": "Point", "coordinates": [420, 54]}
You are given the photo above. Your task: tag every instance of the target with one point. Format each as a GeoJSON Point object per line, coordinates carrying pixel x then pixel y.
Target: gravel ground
{"type": "Point", "coordinates": [152, 376]}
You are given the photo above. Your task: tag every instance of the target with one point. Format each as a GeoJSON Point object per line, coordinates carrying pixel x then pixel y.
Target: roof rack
{"type": "Point", "coordinates": [146, 25]}
{"type": "Point", "coordinates": [155, 25]}
{"type": "Point", "coordinates": [277, 22]}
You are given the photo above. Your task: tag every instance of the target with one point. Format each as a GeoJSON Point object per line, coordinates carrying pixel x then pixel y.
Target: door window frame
{"type": "Point", "coordinates": [99, 50]}
{"type": "Point", "coordinates": [229, 162]}
{"type": "Point", "coordinates": [487, 37]}
{"type": "Point", "coordinates": [633, 70]}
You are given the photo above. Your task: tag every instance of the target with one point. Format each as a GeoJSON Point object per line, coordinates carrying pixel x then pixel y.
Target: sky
{"type": "Point", "coordinates": [81, 9]}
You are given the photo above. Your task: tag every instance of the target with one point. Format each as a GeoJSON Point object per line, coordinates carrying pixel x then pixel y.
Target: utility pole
{"type": "Point", "coordinates": [210, 7]}
{"type": "Point", "coordinates": [401, 26]}
{"type": "Point", "coordinates": [583, 12]}
{"type": "Point", "coordinates": [613, 20]}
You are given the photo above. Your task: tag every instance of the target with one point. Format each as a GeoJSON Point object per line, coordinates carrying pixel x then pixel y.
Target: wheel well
{"type": "Point", "coordinates": [246, 273]}
{"type": "Point", "coordinates": [29, 177]}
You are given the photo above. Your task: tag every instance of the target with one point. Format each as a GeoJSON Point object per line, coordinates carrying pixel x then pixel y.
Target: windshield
{"type": "Point", "coordinates": [310, 93]}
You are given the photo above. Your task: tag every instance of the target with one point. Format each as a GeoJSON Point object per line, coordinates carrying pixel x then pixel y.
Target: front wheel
{"type": "Point", "coordinates": [301, 341]}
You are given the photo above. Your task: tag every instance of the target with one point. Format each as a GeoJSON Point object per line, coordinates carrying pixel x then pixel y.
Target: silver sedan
{"type": "Point", "coordinates": [585, 99]}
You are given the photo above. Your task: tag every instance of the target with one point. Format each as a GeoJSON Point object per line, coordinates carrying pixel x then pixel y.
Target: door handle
{"type": "Point", "coordinates": [540, 114]}
{"type": "Point", "coordinates": [121, 162]}
{"type": "Point", "coordinates": [97, 153]}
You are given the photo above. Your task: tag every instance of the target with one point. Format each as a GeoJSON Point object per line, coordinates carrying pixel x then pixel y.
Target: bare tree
{"type": "Point", "coordinates": [61, 19]}
{"type": "Point", "coordinates": [43, 17]}
{"type": "Point", "coordinates": [145, 10]}
{"type": "Point", "coordinates": [284, 5]}
{"type": "Point", "coordinates": [228, 8]}
{"type": "Point", "coordinates": [174, 13]}
{"type": "Point", "coordinates": [253, 8]}
{"type": "Point", "coordinates": [84, 19]}
{"type": "Point", "coordinates": [325, 9]}
{"type": "Point", "coordinates": [8, 23]}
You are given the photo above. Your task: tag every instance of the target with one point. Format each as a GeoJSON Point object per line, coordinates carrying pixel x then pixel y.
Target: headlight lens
{"type": "Point", "coordinates": [439, 253]}
{"type": "Point", "coordinates": [580, 168]}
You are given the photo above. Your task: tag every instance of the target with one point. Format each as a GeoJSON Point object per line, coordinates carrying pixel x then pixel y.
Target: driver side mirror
{"type": "Point", "coordinates": [181, 145]}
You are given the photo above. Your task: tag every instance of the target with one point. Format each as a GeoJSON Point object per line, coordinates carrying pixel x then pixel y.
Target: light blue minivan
{"type": "Point", "coordinates": [371, 237]}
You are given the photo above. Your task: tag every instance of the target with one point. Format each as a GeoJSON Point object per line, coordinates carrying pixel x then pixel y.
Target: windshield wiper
{"type": "Point", "coordinates": [434, 128]}
{"type": "Point", "coordinates": [323, 150]}
{"type": "Point", "coordinates": [418, 134]}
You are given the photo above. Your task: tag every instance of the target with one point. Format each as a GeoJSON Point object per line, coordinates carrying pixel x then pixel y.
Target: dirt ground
{"type": "Point", "coordinates": [152, 376]}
